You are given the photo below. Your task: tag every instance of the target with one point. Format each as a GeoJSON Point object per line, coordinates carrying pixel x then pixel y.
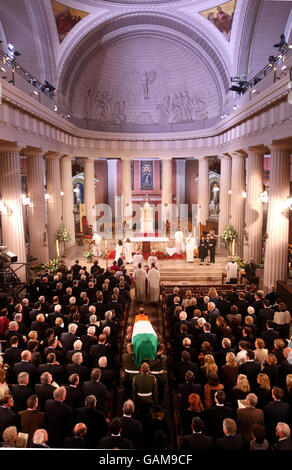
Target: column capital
{"type": "Point", "coordinates": [65, 156]}
{"type": "Point", "coordinates": [52, 156]}
{"type": "Point", "coordinates": [9, 146]}
{"type": "Point", "coordinates": [281, 145]}
{"type": "Point", "coordinates": [260, 149]}
{"type": "Point", "coordinates": [224, 156]}
{"type": "Point", "coordinates": [32, 152]}
{"type": "Point", "coordinates": [238, 154]}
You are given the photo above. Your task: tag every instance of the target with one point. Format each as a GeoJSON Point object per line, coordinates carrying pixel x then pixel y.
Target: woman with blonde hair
{"type": "Point", "coordinates": [213, 294]}
{"type": "Point", "coordinates": [4, 389]}
{"type": "Point", "coordinates": [191, 308]}
{"type": "Point", "coordinates": [271, 368]}
{"type": "Point", "coordinates": [206, 348]}
{"type": "Point", "coordinates": [240, 390]}
{"type": "Point", "coordinates": [195, 409]}
{"type": "Point", "coordinates": [282, 320]}
{"type": "Point", "coordinates": [210, 388]}
{"type": "Point", "coordinates": [208, 367]}
{"type": "Point", "coordinates": [279, 346]}
{"type": "Point", "coordinates": [263, 390]}
{"type": "Point", "coordinates": [260, 352]}
{"type": "Point", "coordinates": [229, 372]}
{"type": "Point", "coordinates": [288, 390]}
{"type": "Point", "coordinates": [187, 299]}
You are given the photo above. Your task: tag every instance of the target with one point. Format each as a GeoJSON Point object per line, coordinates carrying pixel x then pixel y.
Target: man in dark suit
{"type": "Point", "coordinates": [99, 350]}
{"type": "Point", "coordinates": [269, 335]}
{"type": "Point", "coordinates": [223, 305]}
{"type": "Point", "coordinates": [216, 415]}
{"type": "Point", "coordinates": [75, 268]}
{"type": "Point", "coordinates": [45, 389]}
{"type": "Point", "coordinates": [68, 338]}
{"type": "Point", "coordinates": [89, 339]}
{"type": "Point", "coordinates": [197, 441]}
{"type": "Point", "coordinates": [74, 396]}
{"type": "Point", "coordinates": [230, 441]}
{"type": "Point", "coordinates": [55, 346]}
{"type": "Point", "coordinates": [249, 295]}
{"type": "Point", "coordinates": [114, 305]}
{"type": "Point", "coordinates": [115, 440]}
{"type": "Point", "coordinates": [26, 366]}
{"type": "Point", "coordinates": [12, 354]}
{"type": "Point", "coordinates": [242, 304]}
{"type": "Point", "coordinates": [59, 418]}
{"type": "Point", "coordinates": [131, 428]}
{"type": "Point", "coordinates": [266, 313]}
{"type": "Point", "coordinates": [180, 368]}
{"type": "Point", "coordinates": [78, 441]}
{"type": "Point", "coordinates": [276, 412]}
{"type": "Point", "coordinates": [250, 270]}
{"type": "Point", "coordinates": [40, 326]}
{"type": "Point", "coordinates": [94, 421]}
{"type": "Point", "coordinates": [95, 387]}
{"type": "Point", "coordinates": [251, 369]}
{"type": "Point", "coordinates": [21, 392]}
{"type": "Point", "coordinates": [7, 416]}
{"type": "Point", "coordinates": [284, 441]}
{"type": "Point", "coordinates": [206, 336]}
{"type": "Point", "coordinates": [185, 389]}
{"type": "Point", "coordinates": [248, 416]}
{"type": "Point", "coordinates": [77, 368]}
{"type": "Point", "coordinates": [31, 418]}
{"type": "Point", "coordinates": [285, 368]}
{"type": "Point", "coordinates": [258, 302]}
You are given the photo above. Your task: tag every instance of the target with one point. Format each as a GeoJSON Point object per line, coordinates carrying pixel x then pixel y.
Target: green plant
{"type": "Point", "coordinates": [229, 234]}
{"type": "Point", "coordinates": [63, 234]}
{"type": "Point", "coordinates": [239, 261]}
{"type": "Point", "coordinates": [88, 253]}
{"type": "Point", "coordinates": [53, 265]}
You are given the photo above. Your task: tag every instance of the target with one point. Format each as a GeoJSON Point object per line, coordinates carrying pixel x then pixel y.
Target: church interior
{"type": "Point", "coordinates": [146, 224]}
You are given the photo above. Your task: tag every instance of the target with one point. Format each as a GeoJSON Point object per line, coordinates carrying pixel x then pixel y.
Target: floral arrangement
{"type": "Point", "coordinates": [53, 265]}
{"type": "Point", "coordinates": [229, 234]}
{"type": "Point", "coordinates": [63, 234]}
{"type": "Point", "coordinates": [239, 261]}
{"type": "Point", "coordinates": [88, 253]}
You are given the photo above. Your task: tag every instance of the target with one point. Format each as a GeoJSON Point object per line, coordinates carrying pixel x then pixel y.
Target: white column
{"type": "Point", "coordinates": [180, 181]}
{"type": "Point", "coordinates": [237, 201]}
{"type": "Point", "coordinates": [68, 197]}
{"type": "Point", "coordinates": [112, 183]}
{"type": "Point", "coordinates": [54, 205]}
{"type": "Point", "coordinates": [203, 190]}
{"type": "Point", "coordinates": [37, 213]}
{"type": "Point", "coordinates": [89, 190]}
{"type": "Point", "coordinates": [166, 192]}
{"type": "Point", "coordinates": [225, 186]}
{"type": "Point", "coordinates": [276, 251]}
{"type": "Point", "coordinates": [252, 245]}
{"type": "Point", "coordinates": [126, 188]}
{"type": "Point", "coordinates": [11, 215]}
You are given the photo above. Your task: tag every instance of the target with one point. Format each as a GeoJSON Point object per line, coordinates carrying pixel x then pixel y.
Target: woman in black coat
{"type": "Point", "coordinates": [203, 249]}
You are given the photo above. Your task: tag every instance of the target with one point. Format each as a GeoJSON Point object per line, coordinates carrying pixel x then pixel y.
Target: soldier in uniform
{"type": "Point", "coordinates": [144, 387]}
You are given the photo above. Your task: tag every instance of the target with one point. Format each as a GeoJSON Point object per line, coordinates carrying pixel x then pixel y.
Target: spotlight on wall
{"type": "Point", "coordinates": [272, 60]}
{"type": "Point", "coordinates": [243, 194]}
{"type": "Point", "coordinates": [229, 191]}
{"type": "Point", "coordinates": [62, 193]}
{"type": "Point", "coordinates": [47, 196]}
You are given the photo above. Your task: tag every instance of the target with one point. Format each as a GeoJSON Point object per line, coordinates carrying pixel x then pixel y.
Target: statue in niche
{"type": "Point", "coordinates": [146, 78]}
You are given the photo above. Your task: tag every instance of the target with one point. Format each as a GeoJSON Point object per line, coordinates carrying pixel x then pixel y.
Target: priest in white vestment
{"type": "Point", "coordinates": [190, 246]}
{"type": "Point", "coordinates": [138, 258]}
{"type": "Point", "coordinates": [179, 241]}
{"type": "Point", "coordinates": [152, 259]}
{"type": "Point", "coordinates": [153, 284]}
{"type": "Point", "coordinates": [231, 269]}
{"type": "Point", "coordinates": [97, 244]}
{"type": "Point", "coordinates": [119, 250]}
{"type": "Point", "coordinates": [128, 251]}
{"type": "Point", "coordinates": [140, 278]}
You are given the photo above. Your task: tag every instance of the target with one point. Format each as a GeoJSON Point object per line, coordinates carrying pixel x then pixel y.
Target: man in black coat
{"type": "Point", "coordinates": [285, 368]}
{"type": "Point", "coordinates": [95, 387]}
{"type": "Point", "coordinates": [269, 335]}
{"type": "Point", "coordinates": [266, 313]}
{"type": "Point", "coordinates": [77, 368]}
{"type": "Point", "coordinates": [197, 441]}
{"type": "Point", "coordinates": [230, 441]}
{"type": "Point", "coordinates": [45, 389]}
{"type": "Point", "coordinates": [180, 368]}
{"type": "Point", "coordinates": [115, 441]}
{"type": "Point", "coordinates": [68, 338]}
{"type": "Point", "coordinates": [93, 419]}
{"type": "Point", "coordinates": [206, 336]}
{"type": "Point", "coordinates": [74, 397]}
{"type": "Point", "coordinates": [89, 339]}
{"type": "Point", "coordinates": [78, 441]}
{"type": "Point", "coordinates": [21, 392]}
{"type": "Point", "coordinates": [216, 415]}
{"type": "Point", "coordinates": [99, 350]}
{"type": "Point", "coordinates": [12, 354]}
{"type": "Point", "coordinates": [251, 369]}
{"type": "Point", "coordinates": [26, 366]}
{"type": "Point", "coordinates": [242, 304]}
{"type": "Point", "coordinates": [284, 441]}
{"type": "Point", "coordinates": [59, 418]}
{"type": "Point", "coordinates": [7, 416]}
{"type": "Point", "coordinates": [131, 428]}
{"type": "Point", "coordinates": [223, 305]}
{"type": "Point", "coordinates": [275, 413]}
{"type": "Point", "coordinates": [54, 368]}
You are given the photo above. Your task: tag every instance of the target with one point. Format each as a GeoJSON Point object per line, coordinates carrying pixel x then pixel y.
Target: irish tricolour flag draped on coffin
{"type": "Point", "coordinates": [144, 339]}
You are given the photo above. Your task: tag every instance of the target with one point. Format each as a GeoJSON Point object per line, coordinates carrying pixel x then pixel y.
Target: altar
{"type": "Point", "coordinates": [149, 243]}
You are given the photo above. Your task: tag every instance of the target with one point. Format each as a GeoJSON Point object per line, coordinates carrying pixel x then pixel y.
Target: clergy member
{"type": "Point", "coordinates": [140, 278]}
{"type": "Point", "coordinates": [152, 259]}
{"type": "Point", "coordinates": [153, 284]}
{"type": "Point", "coordinates": [119, 250]}
{"type": "Point", "coordinates": [138, 258]}
{"type": "Point", "coordinates": [179, 241]}
{"type": "Point", "coordinates": [190, 246]}
{"type": "Point", "coordinates": [128, 251]}
{"type": "Point", "coordinates": [231, 271]}
{"type": "Point", "coordinates": [97, 244]}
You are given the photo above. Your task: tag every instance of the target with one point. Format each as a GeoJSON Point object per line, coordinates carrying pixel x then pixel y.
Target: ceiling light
{"type": "Point", "coordinates": [62, 193]}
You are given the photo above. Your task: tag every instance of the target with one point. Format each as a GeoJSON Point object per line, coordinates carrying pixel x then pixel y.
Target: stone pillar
{"type": "Point", "coordinates": [166, 193]}
{"type": "Point", "coordinates": [112, 184]}
{"type": "Point", "coordinates": [253, 232]}
{"type": "Point", "coordinates": [126, 188]}
{"type": "Point", "coordinates": [203, 190]}
{"type": "Point", "coordinates": [54, 204]}
{"type": "Point", "coordinates": [237, 204]}
{"type": "Point", "coordinates": [11, 215]}
{"type": "Point", "coordinates": [225, 186]}
{"type": "Point", "coordinates": [89, 191]}
{"type": "Point", "coordinates": [37, 213]}
{"type": "Point", "coordinates": [68, 197]}
{"type": "Point", "coordinates": [180, 181]}
{"type": "Point", "coordinates": [276, 250]}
